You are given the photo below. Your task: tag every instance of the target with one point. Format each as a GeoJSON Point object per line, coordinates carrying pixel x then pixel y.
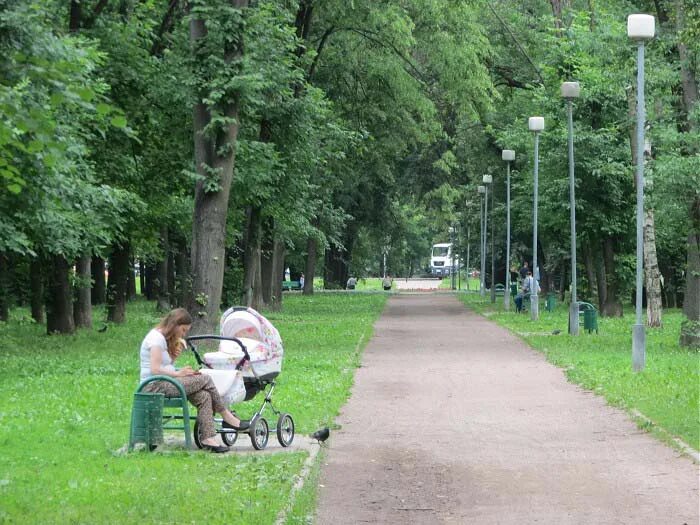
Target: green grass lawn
{"type": "Point", "coordinates": [65, 412]}
{"type": "Point", "coordinates": [665, 392]}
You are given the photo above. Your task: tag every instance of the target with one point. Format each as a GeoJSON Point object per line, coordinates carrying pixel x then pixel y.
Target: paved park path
{"type": "Point", "coordinates": [454, 420]}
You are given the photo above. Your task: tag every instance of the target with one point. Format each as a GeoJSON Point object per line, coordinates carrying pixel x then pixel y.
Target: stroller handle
{"type": "Point", "coordinates": [246, 356]}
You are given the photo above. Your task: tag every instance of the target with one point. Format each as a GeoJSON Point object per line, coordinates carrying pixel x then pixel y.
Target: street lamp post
{"type": "Point", "coordinates": [640, 28]}
{"type": "Point", "coordinates": [509, 156]}
{"type": "Point", "coordinates": [536, 125]}
{"type": "Point", "coordinates": [468, 206]}
{"type": "Point", "coordinates": [452, 262]}
{"type": "Point", "coordinates": [487, 180]}
{"type": "Point", "coordinates": [570, 91]}
{"type": "Point", "coordinates": [482, 267]}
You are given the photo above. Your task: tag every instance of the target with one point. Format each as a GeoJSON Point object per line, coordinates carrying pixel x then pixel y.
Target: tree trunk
{"type": "Point", "coordinates": [688, 80]}
{"type": "Point", "coordinates": [171, 274]}
{"type": "Point", "coordinates": [612, 307]}
{"type": "Point", "coordinates": [59, 300]}
{"type": "Point", "coordinates": [601, 281]}
{"type": "Point", "coordinates": [182, 274]}
{"type": "Point", "coordinates": [251, 257]}
{"type": "Point", "coordinates": [690, 330]}
{"type": "Point", "coordinates": [74, 16]}
{"type": "Point", "coordinates": [162, 287]}
{"type": "Point", "coordinates": [98, 292]}
{"type": "Point", "coordinates": [335, 273]}
{"type": "Point", "coordinates": [213, 154]}
{"type": "Point", "coordinates": [131, 281]}
{"type": "Point", "coordinates": [590, 269]}
{"type": "Point", "coordinates": [279, 253]}
{"type": "Point", "coordinates": [310, 268]}
{"type": "Point", "coordinates": [82, 308]}
{"type": "Point", "coordinates": [150, 289]}
{"type": "Point", "coordinates": [267, 250]}
{"type": "Point", "coordinates": [142, 276]}
{"type": "Point", "coordinates": [669, 288]}
{"type": "Point", "coordinates": [652, 275]}
{"type": "Point", "coordinates": [36, 283]}
{"type": "Point", "coordinates": [257, 284]}
{"type": "Point", "coordinates": [117, 285]}
{"type": "Point", "coordinates": [4, 292]}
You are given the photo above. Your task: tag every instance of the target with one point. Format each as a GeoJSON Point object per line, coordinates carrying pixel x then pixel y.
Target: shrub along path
{"type": "Point", "coordinates": [454, 420]}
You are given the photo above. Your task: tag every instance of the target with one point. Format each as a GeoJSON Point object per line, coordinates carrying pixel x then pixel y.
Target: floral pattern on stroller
{"type": "Point", "coordinates": [248, 361]}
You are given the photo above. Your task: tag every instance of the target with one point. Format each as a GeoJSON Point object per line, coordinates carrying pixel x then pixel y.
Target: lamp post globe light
{"type": "Point", "coordinates": [487, 180]}
{"type": "Point", "coordinates": [570, 91]}
{"type": "Point", "coordinates": [482, 266]}
{"type": "Point", "coordinates": [639, 28]}
{"type": "Point", "coordinates": [536, 125]}
{"type": "Point", "coordinates": [509, 156]}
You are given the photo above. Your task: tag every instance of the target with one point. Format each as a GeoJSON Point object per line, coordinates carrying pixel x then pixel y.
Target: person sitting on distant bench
{"type": "Point", "coordinates": [386, 282]}
{"type": "Point", "coordinates": [352, 282]}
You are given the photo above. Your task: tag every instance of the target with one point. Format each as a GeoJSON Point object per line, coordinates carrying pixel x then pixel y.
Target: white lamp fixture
{"type": "Point", "coordinates": [640, 27]}
{"type": "Point", "coordinates": [535, 123]}
{"type": "Point", "coordinates": [570, 90]}
{"type": "Point", "coordinates": [508, 154]}
{"type": "Point", "coordinates": [487, 179]}
{"type": "Point", "coordinates": [481, 189]}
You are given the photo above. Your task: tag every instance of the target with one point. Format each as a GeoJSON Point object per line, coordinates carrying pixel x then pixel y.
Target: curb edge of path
{"type": "Point", "coordinates": [636, 416]}
{"type": "Point", "coordinates": [310, 461]}
{"type": "Point", "coordinates": [298, 485]}
{"type": "Point", "coordinates": [675, 442]}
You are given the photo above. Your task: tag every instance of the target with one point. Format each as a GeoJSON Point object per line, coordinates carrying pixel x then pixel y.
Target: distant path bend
{"type": "Point", "coordinates": [454, 420]}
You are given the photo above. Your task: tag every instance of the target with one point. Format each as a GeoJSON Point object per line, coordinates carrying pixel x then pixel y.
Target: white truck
{"type": "Point", "coordinates": [441, 259]}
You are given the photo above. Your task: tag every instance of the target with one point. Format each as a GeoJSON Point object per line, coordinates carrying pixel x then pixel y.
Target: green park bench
{"type": "Point", "coordinates": [291, 285]}
{"type": "Point", "coordinates": [150, 415]}
{"type": "Point", "coordinates": [590, 316]}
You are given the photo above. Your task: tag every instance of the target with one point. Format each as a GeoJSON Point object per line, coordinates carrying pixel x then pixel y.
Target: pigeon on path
{"type": "Point", "coordinates": [321, 435]}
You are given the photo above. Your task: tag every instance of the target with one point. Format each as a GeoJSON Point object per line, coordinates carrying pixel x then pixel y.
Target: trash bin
{"type": "Point", "coordinates": [147, 420]}
{"type": "Point", "coordinates": [551, 302]}
{"type": "Point", "coordinates": [513, 289]}
{"type": "Point", "coordinates": [590, 321]}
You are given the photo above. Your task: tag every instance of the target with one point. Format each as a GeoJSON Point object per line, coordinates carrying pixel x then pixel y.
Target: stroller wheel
{"type": "Point", "coordinates": [228, 435]}
{"type": "Point", "coordinates": [259, 433]}
{"type": "Point", "coordinates": [285, 430]}
{"type": "Point", "coordinates": [197, 438]}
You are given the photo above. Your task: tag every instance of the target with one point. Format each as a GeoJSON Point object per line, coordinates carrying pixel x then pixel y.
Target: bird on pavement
{"type": "Point", "coordinates": [321, 435]}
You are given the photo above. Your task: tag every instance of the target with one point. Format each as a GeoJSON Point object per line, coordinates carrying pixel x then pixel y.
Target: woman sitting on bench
{"type": "Point", "coordinates": [159, 350]}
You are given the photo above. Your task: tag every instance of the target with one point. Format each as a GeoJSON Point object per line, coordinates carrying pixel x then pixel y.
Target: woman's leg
{"type": "Point", "coordinates": [198, 391]}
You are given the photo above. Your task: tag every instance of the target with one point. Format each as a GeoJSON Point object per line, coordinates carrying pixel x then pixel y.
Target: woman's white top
{"type": "Point", "coordinates": [154, 339]}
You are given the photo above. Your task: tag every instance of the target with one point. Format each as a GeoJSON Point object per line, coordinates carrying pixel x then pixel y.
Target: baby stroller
{"type": "Point", "coordinates": [247, 362]}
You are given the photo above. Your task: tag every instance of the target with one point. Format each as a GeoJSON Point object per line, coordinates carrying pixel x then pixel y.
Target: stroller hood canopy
{"type": "Point", "coordinates": [250, 324]}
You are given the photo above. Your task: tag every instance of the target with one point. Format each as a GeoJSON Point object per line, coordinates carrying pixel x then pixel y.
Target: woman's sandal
{"type": "Point", "coordinates": [242, 426]}
{"type": "Point", "coordinates": [217, 449]}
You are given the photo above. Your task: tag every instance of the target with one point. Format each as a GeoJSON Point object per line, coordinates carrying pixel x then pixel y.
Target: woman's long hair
{"type": "Point", "coordinates": [167, 326]}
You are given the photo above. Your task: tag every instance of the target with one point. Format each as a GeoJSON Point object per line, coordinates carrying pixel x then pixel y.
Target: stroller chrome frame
{"type": "Point", "coordinates": [259, 429]}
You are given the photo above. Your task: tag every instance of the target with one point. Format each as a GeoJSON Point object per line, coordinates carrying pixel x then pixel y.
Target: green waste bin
{"type": "Point", "coordinates": [590, 321]}
{"type": "Point", "coordinates": [513, 289]}
{"type": "Point", "coordinates": [551, 302]}
{"type": "Point", "coordinates": [147, 420]}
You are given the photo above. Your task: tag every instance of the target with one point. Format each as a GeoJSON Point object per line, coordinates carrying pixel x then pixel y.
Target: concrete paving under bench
{"type": "Point", "coordinates": [454, 420]}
